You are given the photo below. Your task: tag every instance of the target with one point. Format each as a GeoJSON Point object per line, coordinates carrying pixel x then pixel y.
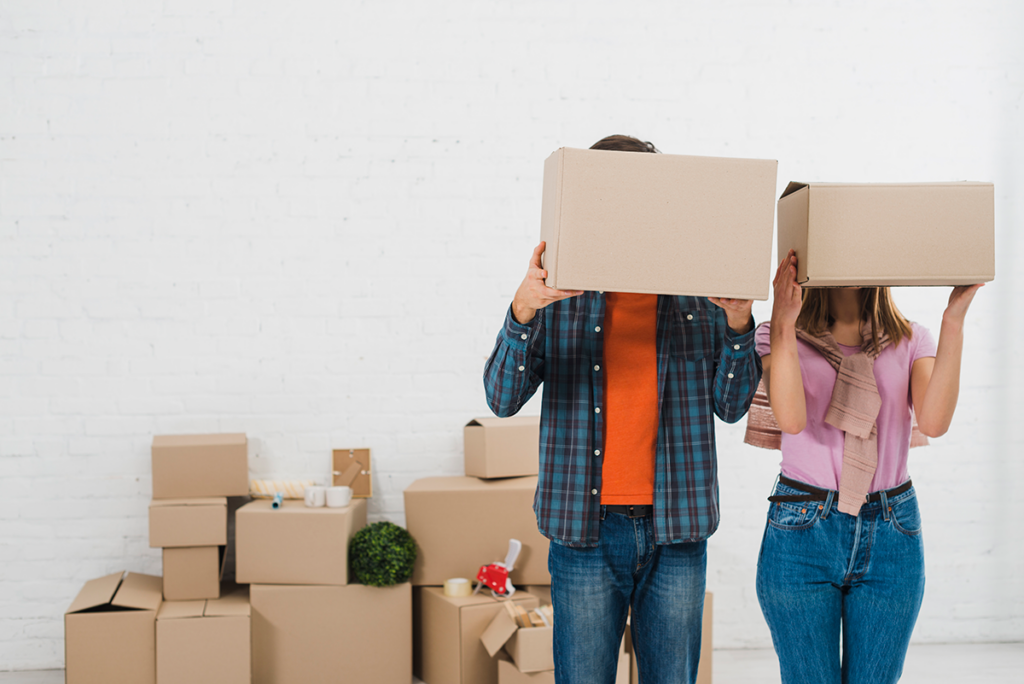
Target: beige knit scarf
{"type": "Point", "coordinates": [853, 409]}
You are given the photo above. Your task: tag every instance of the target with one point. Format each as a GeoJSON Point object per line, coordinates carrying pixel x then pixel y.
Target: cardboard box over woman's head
{"type": "Point", "coordinates": [889, 234]}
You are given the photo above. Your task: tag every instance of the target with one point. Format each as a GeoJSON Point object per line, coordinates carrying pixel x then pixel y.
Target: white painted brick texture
{"type": "Point", "coordinates": [304, 221]}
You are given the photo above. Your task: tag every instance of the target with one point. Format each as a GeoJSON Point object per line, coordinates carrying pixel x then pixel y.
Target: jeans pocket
{"type": "Point", "coordinates": [793, 516]}
{"type": "Point", "coordinates": [906, 516]}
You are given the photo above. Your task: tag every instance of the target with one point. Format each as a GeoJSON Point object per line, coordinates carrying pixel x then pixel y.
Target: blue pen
{"type": "Point", "coordinates": [278, 500]}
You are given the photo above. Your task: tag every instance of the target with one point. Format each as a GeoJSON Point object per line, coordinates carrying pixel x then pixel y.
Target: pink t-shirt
{"type": "Point", "coordinates": [815, 455]}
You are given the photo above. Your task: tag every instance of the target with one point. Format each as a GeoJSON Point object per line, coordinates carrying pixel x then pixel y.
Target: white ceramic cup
{"type": "Point", "coordinates": [338, 497]}
{"type": "Point", "coordinates": [315, 496]}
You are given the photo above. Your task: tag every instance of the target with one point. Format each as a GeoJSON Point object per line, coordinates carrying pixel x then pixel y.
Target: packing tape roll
{"type": "Point", "coordinates": [290, 489]}
{"type": "Point", "coordinates": [458, 586]}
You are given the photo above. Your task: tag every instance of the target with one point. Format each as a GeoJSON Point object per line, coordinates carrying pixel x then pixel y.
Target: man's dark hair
{"type": "Point", "coordinates": [623, 143]}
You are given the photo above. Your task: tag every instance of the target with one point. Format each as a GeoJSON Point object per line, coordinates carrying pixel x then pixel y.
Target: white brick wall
{"type": "Point", "coordinates": [304, 221]}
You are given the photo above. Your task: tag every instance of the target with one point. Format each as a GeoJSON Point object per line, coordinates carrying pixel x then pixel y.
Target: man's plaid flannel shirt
{"type": "Point", "coordinates": [704, 368]}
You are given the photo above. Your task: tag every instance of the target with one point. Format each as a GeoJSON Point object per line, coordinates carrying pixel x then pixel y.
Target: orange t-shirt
{"type": "Point", "coordinates": [630, 397]}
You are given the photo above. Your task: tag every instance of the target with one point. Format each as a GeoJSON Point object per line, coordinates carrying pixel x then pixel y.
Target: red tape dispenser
{"type": "Point", "coordinates": [495, 575]}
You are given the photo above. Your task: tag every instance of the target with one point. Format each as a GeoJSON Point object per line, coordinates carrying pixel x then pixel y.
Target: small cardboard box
{"type": "Point", "coordinates": [193, 466]}
{"type": "Point", "coordinates": [109, 635]}
{"type": "Point", "coordinates": [508, 673]}
{"type": "Point", "coordinates": [193, 572]}
{"type": "Point", "coordinates": [295, 544]}
{"type": "Point", "coordinates": [204, 642]}
{"type": "Point", "coordinates": [706, 640]}
{"type": "Point", "coordinates": [448, 649]}
{"type": "Point", "coordinates": [529, 647]}
{"type": "Point", "coordinates": [888, 234]}
{"type": "Point", "coordinates": [353, 633]}
{"type": "Point", "coordinates": [658, 223]}
{"type": "Point", "coordinates": [188, 522]}
{"type": "Point", "coordinates": [502, 447]}
{"type": "Point", "coordinates": [461, 523]}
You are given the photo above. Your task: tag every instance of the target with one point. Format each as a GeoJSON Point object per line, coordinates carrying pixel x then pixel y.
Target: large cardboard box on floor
{"type": "Point", "coordinates": [204, 642]}
{"type": "Point", "coordinates": [193, 572]}
{"type": "Point", "coordinates": [887, 234]}
{"type": "Point", "coordinates": [461, 523]}
{"type": "Point", "coordinates": [193, 466]}
{"type": "Point", "coordinates": [188, 522]}
{"type": "Point", "coordinates": [706, 641]}
{"type": "Point", "coordinates": [658, 223]}
{"type": "Point", "coordinates": [109, 634]}
{"type": "Point", "coordinates": [295, 544]}
{"type": "Point", "coordinates": [448, 649]}
{"type": "Point", "coordinates": [502, 447]}
{"type": "Point", "coordinates": [353, 633]}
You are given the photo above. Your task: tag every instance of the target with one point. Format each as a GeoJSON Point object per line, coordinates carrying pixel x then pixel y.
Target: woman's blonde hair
{"type": "Point", "coordinates": [876, 307]}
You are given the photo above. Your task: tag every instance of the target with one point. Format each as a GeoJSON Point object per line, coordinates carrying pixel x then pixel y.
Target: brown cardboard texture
{"type": "Point", "coordinates": [193, 572]}
{"type": "Point", "coordinates": [448, 649]}
{"type": "Point", "coordinates": [889, 234]}
{"type": "Point", "coordinates": [502, 447]}
{"type": "Point", "coordinates": [508, 673]}
{"type": "Point", "coordinates": [109, 637]}
{"type": "Point", "coordinates": [706, 642]}
{"type": "Point", "coordinates": [188, 522]}
{"type": "Point", "coordinates": [351, 468]}
{"type": "Point", "coordinates": [353, 633]}
{"type": "Point", "coordinates": [541, 591]}
{"type": "Point", "coordinates": [461, 523]}
{"type": "Point", "coordinates": [193, 466]}
{"type": "Point", "coordinates": [295, 544]}
{"type": "Point", "coordinates": [658, 223]}
{"type": "Point", "coordinates": [204, 642]}
{"type": "Point", "coordinates": [529, 647]}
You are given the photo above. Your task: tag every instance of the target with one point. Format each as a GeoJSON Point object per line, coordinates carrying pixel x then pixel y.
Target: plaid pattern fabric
{"type": "Point", "coordinates": [704, 369]}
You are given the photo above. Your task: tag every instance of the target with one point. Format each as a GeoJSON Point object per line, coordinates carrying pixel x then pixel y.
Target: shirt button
{"type": "Point", "coordinates": [597, 329]}
{"type": "Point", "coordinates": [689, 317]}
{"type": "Point", "coordinates": [597, 368]}
{"type": "Point", "coordinates": [522, 368]}
{"type": "Point", "coordinates": [597, 409]}
{"type": "Point", "coordinates": [730, 376]}
{"type": "Point", "coordinates": [523, 336]}
{"type": "Point", "coordinates": [597, 452]}
{"type": "Point", "coordinates": [736, 347]}
{"type": "Point", "coordinates": [593, 491]}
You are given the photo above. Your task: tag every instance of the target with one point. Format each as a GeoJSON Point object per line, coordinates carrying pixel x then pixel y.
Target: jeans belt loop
{"type": "Point", "coordinates": [604, 511]}
{"type": "Point", "coordinates": [885, 506]}
{"type": "Point", "coordinates": [828, 505]}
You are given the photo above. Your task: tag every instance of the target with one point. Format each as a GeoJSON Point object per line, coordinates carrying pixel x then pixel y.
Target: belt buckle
{"type": "Point", "coordinates": [634, 514]}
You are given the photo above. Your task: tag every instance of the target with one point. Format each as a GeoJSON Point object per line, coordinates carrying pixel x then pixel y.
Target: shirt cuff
{"type": "Point", "coordinates": [737, 344]}
{"type": "Point", "coordinates": [518, 335]}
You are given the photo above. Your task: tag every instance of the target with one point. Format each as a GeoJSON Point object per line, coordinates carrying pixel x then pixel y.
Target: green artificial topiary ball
{"type": "Point", "coordinates": [382, 554]}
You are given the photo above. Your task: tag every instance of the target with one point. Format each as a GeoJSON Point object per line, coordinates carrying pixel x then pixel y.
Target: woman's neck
{"type": "Point", "coordinates": [844, 307]}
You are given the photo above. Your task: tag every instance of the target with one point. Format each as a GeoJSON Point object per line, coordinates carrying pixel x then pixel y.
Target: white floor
{"type": "Point", "coordinates": [989, 663]}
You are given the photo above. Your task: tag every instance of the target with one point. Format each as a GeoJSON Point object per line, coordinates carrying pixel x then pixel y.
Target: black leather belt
{"type": "Point", "coordinates": [643, 511]}
{"type": "Point", "coordinates": [817, 494]}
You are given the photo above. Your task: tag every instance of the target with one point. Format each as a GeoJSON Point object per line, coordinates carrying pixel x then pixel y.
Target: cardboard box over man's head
{"type": "Point", "coordinates": [658, 223]}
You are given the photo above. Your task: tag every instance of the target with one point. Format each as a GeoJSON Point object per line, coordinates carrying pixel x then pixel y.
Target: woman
{"type": "Point", "coordinates": [842, 551]}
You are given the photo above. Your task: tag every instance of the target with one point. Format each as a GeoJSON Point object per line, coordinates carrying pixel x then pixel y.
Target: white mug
{"type": "Point", "coordinates": [338, 497]}
{"type": "Point", "coordinates": [315, 496]}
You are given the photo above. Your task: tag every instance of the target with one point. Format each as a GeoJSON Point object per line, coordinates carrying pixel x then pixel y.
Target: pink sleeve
{"type": "Point", "coordinates": [924, 343]}
{"type": "Point", "coordinates": [763, 339]}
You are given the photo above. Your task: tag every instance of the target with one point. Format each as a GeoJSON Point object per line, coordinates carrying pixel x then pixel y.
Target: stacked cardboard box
{"type": "Point", "coordinates": [188, 517]}
{"type": "Point", "coordinates": [461, 523]}
{"type": "Point", "coordinates": [309, 623]}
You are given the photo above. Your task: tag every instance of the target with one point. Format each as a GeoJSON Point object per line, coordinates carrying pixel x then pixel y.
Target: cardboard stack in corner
{"type": "Point", "coordinates": [463, 522]}
{"type": "Point", "coordinates": [310, 622]}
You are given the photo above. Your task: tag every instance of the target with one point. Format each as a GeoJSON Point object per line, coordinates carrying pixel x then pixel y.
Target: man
{"type": "Point", "coordinates": [628, 487]}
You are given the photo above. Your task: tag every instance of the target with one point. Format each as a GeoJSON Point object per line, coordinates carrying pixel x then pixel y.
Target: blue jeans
{"type": "Point", "coordinates": [823, 576]}
{"type": "Point", "coordinates": [592, 590]}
